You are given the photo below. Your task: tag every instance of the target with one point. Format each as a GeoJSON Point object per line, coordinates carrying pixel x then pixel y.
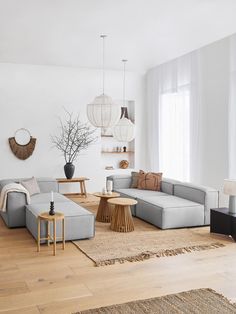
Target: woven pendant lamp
{"type": "Point", "coordinates": [103, 112]}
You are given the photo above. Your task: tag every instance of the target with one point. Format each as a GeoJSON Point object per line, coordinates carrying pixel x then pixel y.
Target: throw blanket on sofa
{"type": "Point", "coordinates": [12, 187]}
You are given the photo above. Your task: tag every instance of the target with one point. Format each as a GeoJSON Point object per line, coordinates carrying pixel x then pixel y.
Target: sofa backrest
{"type": "Point", "coordinates": [167, 185]}
{"type": "Point", "coordinates": [196, 193]}
{"type": "Point", "coordinates": [46, 185]}
{"type": "Point", "coordinates": [120, 181]}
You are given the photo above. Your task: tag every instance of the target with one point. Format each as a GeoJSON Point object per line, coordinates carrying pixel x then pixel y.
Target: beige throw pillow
{"type": "Point", "coordinates": [135, 177]}
{"type": "Point", "coordinates": [149, 181]}
{"type": "Point", "coordinates": [31, 186]}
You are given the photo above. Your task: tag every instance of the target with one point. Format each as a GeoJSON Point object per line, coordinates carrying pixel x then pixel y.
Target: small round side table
{"type": "Point", "coordinates": [122, 220]}
{"type": "Point", "coordinates": [104, 210]}
{"type": "Point", "coordinates": [51, 218]}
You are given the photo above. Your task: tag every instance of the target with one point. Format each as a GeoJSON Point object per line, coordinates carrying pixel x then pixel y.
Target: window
{"type": "Point", "coordinates": [174, 135]}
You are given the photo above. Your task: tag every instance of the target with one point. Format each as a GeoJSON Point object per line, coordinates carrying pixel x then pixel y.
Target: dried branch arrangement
{"type": "Point", "coordinates": [75, 136]}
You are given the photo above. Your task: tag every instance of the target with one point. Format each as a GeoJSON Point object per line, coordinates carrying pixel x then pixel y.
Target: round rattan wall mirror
{"type": "Point", "coordinates": [22, 143]}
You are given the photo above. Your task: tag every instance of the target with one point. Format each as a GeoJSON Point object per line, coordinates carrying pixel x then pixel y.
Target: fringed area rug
{"type": "Point", "coordinates": [146, 241]}
{"type": "Point", "coordinates": [198, 301]}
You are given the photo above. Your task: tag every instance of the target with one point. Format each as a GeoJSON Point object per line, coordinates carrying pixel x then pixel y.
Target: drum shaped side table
{"type": "Point", "coordinates": [104, 210]}
{"type": "Point", "coordinates": [51, 218]}
{"type": "Point", "coordinates": [122, 220]}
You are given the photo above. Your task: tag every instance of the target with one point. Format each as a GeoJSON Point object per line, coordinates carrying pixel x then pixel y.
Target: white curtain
{"type": "Point", "coordinates": [174, 126]}
{"type": "Point", "coordinates": [232, 110]}
{"type": "Point", "coordinates": [173, 113]}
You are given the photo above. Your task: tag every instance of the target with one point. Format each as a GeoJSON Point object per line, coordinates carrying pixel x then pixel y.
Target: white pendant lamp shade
{"type": "Point", "coordinates": [102, 112]}
{"type": "Point", "coordinates": [124, 130]}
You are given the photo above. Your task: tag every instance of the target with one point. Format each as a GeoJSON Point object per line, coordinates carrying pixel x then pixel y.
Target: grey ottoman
{"type": "Point", "coordinates": [167, 212]}
{"type": "Point", "coordinates": [79, 222]}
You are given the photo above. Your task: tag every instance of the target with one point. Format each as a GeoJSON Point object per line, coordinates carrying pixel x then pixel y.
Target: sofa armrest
{"type": "Point", "coordinates": [5, 182]}
{"type": "Point", "coordinates": [16, 202]}
{"type": "Point", "coordinates": [206, 196]}
{"type": "Point", "coordinates": [121, 181]}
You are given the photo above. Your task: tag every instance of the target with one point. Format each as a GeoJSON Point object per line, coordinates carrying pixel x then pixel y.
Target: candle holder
{"type": "Point", "coordinates": [51, 211]}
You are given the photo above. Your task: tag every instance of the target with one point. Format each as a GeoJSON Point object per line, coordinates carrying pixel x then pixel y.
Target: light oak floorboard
{"type": "Point", "coordinates": [34, 283]}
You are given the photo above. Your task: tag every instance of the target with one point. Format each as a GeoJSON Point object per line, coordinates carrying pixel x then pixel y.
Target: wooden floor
{"type": "Point", "coordinates": [32, 282]}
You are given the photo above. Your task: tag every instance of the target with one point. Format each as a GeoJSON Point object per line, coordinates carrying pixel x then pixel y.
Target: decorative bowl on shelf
{"type": "Point", "coordinates": [124, 164]}
{"type": "Point", "coordinates": [109, 168]}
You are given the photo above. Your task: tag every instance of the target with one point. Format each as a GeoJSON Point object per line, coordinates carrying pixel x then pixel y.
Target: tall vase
{"type": "Point", "coordinates": [69, 169]}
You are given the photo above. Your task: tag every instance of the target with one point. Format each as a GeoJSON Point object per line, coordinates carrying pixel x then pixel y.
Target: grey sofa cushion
{"type": "Point", "coordinates": [46, 198]}
{"type": "Point", "coordinates": [79, 222]}
{"type": "Point", "coordinates": [69, 209]}
{"type": "Point", "coordinates": [170, 212]}
{"type": "Point", "coordinates": [169, 201]}
{"type": "Point", "coordinates": [136, 193]}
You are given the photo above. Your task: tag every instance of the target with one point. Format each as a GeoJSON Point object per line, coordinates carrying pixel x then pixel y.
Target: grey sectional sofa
{"type": "Point", "coordinates": [177, 205]}
{"type": "Point", "coordinates": [79, 221]}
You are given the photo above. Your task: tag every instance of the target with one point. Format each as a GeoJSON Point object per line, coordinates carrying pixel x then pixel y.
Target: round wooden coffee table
{"type": "Point", "coordinates": [122, 220]}
{"type": "Point", "coordinates": [104, 210]}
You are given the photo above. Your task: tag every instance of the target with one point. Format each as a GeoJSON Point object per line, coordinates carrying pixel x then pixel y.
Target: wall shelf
{"type": "Point", "coordinates": [110, 157]}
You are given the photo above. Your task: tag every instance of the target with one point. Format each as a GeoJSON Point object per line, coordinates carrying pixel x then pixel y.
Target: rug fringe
{"type": "Point", "coordinates": [164, 253]}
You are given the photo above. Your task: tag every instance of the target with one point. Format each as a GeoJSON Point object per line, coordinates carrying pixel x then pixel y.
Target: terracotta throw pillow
{"type": "Point", "coordinates": [149, 181]}
{"type": "Point", "coordinates": [135, 177]}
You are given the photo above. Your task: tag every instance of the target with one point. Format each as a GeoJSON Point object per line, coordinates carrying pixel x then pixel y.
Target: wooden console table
{"type": "Point", "coordinates": [80, 180]}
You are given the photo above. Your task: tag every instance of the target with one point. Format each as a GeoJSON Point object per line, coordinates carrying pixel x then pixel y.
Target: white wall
{"type": "Point", "coordinates": [215, 95]}
{"type": "Point", "coordinates": [33, 97]}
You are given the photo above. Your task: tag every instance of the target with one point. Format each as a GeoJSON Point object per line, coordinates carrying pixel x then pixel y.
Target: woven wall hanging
{"type": "Point", "coordinates": [22, 151]}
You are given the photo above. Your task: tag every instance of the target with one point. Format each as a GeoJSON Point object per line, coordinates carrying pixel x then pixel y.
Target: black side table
{"type": "Point", "coordinates": [223, 222]}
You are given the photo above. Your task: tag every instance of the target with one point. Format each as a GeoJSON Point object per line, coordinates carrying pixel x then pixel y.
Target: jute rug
{"type": "Point", "coordinates": [146, 241]}
{"type": "Point", "coordinates": [198, 301]}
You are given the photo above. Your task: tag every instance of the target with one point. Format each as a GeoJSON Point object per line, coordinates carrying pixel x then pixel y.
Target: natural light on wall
{"type": "Point", "coordinates": [174, 135]}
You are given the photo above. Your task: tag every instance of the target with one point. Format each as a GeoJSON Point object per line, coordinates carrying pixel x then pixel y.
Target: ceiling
{"type": "Point", "coordinates": [146, 32]}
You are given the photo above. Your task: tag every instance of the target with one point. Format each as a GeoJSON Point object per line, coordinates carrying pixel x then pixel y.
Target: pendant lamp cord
{"type": "Point", "coordinates": [124, 80]}
{"type": "Point", "coordinates": [103, 62]}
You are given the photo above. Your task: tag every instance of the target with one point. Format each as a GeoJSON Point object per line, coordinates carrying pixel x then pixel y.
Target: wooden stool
{"type": "Point", "coordinates": [80, 180]}
{"type": "Point", "coordinates": [104, 210]}
{"type": "Point", "coordinates": [51, 218]}
{"type": "Point", "coordinates": [122, 220]}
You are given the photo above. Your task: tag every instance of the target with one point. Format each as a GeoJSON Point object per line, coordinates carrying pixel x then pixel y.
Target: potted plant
{"type": "Point", "coordinates": [74, 137]}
